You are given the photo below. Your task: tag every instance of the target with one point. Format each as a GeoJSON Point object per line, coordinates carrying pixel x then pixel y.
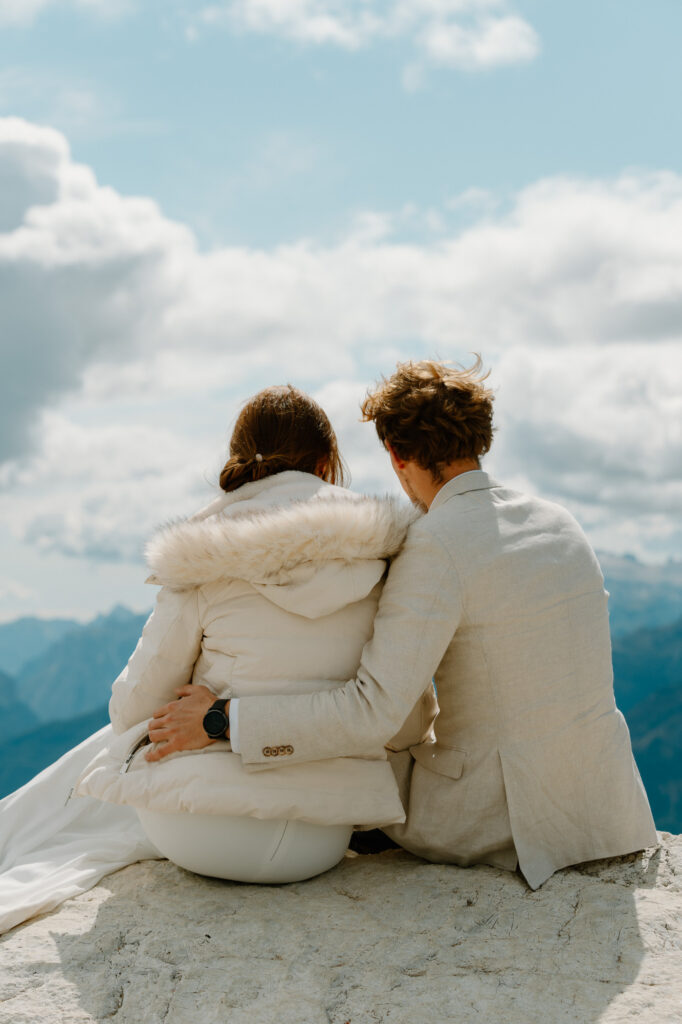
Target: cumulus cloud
{"type": "Point", "coordinates": [11, 591]}
{"type": "Point", "coordinates": [96, 491]}
{"type": "Point", "coordinates": [128, 338]}
{"type": "Point", "coordinates": [470, 35]}
{"type": "Point", "coordinates": [80, 269]}
{"type": "Point", "coordinates": [30, 164]}
{"type": "Point", "coordinates": [488, 43]}
{"type": "Point", "coordinates": [23, 12]}
{"type": "Point", "coordinates": [598, 428]}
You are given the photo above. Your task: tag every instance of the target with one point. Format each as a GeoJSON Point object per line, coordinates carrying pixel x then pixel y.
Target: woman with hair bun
{"type": "Point", "coordinates": [270, 589]}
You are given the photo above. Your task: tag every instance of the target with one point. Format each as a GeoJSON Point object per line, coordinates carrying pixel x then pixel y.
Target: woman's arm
{"type": "Point", "coordinates": [162, 661]}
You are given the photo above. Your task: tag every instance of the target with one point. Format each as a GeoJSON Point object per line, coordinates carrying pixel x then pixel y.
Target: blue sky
{"type": "Point", "coordinates": [255, 138]}
{"type": "Point", "coordinates": [199, 199]}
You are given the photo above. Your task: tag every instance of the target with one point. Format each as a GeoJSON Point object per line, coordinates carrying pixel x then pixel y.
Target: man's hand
{"type": "Point", "coordinates": [179, 725]}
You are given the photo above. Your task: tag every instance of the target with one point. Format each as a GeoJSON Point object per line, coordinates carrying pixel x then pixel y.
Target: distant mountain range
{"type": "Point", "coordinates": [15, 716]}
{"type": "Point", "coordinates": [56, 676]}
{"type": "Point", "coordinates": [26, 755]}
{"type": "Point", "coordinates": [61, 690]}
{"type": "Point", "coordinates": [656, 732]}
{"type": "Point", "coordinates": [74, 674]}
{"type": "Point", "coordinates": [27, 638]}
{"type": "Point", "coordinates": [645, 661]}
{"type": "Point", "coordinates": [641, 595]}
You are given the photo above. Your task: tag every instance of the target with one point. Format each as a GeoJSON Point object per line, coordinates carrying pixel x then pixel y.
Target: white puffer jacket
{"type": "Point", "coordinates": [270, 589]}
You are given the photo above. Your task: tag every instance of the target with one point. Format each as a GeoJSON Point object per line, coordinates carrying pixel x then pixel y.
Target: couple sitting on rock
{"type": "Point", "coordinates": [282, 691]}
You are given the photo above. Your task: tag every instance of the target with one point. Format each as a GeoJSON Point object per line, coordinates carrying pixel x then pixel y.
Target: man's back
{"type": "Point", "coordinates": [532, 642]}
{"type": "Point", "coordinates": [531, 757]}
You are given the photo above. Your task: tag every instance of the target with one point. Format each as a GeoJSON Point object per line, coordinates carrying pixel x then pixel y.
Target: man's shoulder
{"type": "Point", "coordinates": [425, 553]}
{"type": "Point", "coordinates": [491, 509]}
{"type": "Point", "coordinates": [512, 497]}
{"type": "Point", "coordinates": [541, 510]}
{"type": "Point", "coordinates": [426, 531]}
{"type": "Point", "coordinates": [499, 496]}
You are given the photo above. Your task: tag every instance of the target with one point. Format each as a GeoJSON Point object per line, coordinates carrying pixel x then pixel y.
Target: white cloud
{"type": "Point", "coordinates": [24, 12]}
{"type": "Point", "coordinates": [20, 11]}
{"type": "Point", "coordinates": [12, 591]}
{"type": "Point", "coordinates": [30, 164]}
{"type": "Point", "coordinates": [80, 268]}
{"type": "Point", "coordinates": [598, 429]}
{"type": "Point", "coordinates": [128, 349]}
{"type": "Point", "coordinates": [473, 198]}
{"type": "Point", "coordinates": [97, 491]}
{"type": "Point", "coordinates": [489, 43]}
{"type": "Point", "coordinates": [348, 25]}
{"type": "Point", "coordinates": [470, 35]}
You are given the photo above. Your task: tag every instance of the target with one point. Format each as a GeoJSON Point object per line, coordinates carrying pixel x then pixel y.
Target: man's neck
{"type": "Point", "coordinates": [421, 486]}
{"type": "Point", "coordinates": [452, 470]}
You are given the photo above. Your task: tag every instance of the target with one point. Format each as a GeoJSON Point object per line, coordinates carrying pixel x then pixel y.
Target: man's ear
{"type": "Point", "coordinates": [396, 461]}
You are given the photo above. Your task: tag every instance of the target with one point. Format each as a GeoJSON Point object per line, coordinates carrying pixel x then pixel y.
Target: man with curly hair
{"type": "Point", "coordinates": [498, 597]}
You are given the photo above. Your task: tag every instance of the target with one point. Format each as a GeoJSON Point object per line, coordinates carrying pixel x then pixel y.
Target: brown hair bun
{"type": "Point", "coordinates": [279, 429]}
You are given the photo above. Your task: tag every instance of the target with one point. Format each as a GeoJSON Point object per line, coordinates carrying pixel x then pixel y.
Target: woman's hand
{"type": "Point", "coordinates": [180, 724]}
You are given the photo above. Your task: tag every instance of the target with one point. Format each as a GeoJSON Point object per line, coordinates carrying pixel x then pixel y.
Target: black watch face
{"type": "Point", "coordinates": [215, 724]}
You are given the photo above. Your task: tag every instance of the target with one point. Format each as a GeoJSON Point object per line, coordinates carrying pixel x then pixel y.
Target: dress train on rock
{"type": "Point", "coordinates": [54, 846]}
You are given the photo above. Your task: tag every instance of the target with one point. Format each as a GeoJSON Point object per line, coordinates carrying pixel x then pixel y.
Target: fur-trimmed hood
{"type": "Point", "coordinates": [263, 531]}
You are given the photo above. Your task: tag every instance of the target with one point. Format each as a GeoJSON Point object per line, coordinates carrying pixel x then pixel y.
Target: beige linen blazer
{"type": "Point", "coordinates": [499, 596]}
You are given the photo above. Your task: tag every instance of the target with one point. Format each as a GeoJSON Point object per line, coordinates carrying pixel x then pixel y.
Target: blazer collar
{"type": "Point", "coordinates": [474, 480]}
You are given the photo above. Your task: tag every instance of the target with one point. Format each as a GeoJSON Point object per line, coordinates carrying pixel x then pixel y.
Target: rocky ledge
{"type": "Point", "coordinates": [386, 938]}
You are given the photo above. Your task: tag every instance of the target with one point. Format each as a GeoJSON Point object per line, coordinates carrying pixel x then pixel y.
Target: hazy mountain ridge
{"type": "Point", "coordinates": [656, 732]}
{"type": "Point", "coordinates": [74, 675]}
{"type": "Point", "coordinates": [15, 716]}
{"type": "Point", "coordinates": [27, 754]}
{"type": "Point", "coordinates": [648, 683]}
{"type": "Point", "coordinates": [60, 695]}
{"type": "Point", "coordinates": [641, 595]}
{"type": "Point", "coordinates": [28, 637]}
{"type": "Point", "coordinates": [645, 661]}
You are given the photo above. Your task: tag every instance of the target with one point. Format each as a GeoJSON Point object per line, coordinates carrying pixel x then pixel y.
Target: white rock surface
{"type": "Point", "coordinates": [386, 938]}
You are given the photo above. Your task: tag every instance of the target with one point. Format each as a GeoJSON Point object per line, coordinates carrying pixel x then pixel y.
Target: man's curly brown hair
{"type": "Point", "coordinates": [433, 414]}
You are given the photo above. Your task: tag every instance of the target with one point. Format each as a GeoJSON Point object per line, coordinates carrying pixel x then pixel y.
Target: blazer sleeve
{"type": "Point", "coordinates": [163, 659]}
{"type": "Point", "coordinates": [419, 611]}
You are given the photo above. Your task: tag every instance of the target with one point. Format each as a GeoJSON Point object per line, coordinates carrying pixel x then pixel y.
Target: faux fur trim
{"type": "Point", "coordinates": [261, 544]}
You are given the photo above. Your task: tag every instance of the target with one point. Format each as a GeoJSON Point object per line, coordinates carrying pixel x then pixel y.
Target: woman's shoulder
{"type": "Point", "coordinates": [270, 492]}
{"type": "Point", "coordinates": [253, 536]}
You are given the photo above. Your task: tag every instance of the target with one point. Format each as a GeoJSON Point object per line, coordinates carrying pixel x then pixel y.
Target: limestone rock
{"type": "Point", "coordinates": [387, 938]}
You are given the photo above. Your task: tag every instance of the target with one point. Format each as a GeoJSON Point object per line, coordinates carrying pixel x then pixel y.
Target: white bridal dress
{"type": "Point", "coordinates": [54, 846]}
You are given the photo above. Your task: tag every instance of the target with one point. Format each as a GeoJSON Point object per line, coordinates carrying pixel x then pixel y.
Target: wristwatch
{"type": "Point", "coordinates": [216, 722]}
